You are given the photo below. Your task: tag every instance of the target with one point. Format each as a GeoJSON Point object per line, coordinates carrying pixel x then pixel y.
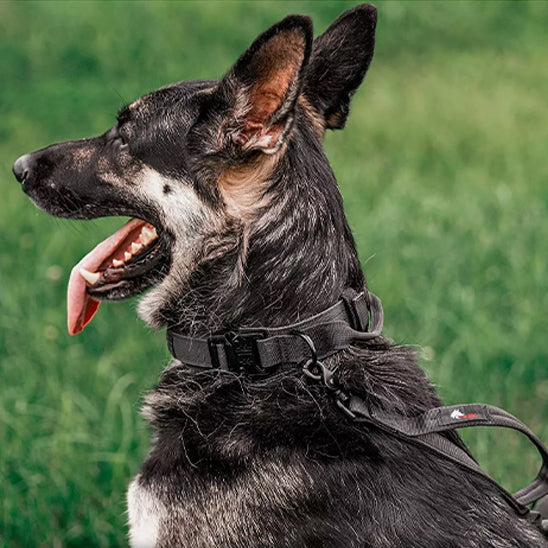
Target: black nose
{"type": "Point", "coordinates": [21, 168]}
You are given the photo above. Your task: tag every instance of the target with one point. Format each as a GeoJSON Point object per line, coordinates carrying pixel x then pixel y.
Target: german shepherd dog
{"type": "Point", "coordinates": [238, 221]}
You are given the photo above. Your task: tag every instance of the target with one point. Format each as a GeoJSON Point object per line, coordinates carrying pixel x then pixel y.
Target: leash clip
{"type": "Point", "coordinates": [343, 403]}
{"type": "Point", "coordinates": [315, 369]}
{"type": "Point", "coordinates": [318, 371]}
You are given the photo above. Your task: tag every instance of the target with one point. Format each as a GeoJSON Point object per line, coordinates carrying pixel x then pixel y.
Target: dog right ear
{"type": "Point", "coordinates": [340, 58]}
{"type": "Point", "coordinates": [262, 88]}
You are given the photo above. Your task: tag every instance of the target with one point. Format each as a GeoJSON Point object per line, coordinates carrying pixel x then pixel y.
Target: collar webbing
{"type": "Point", "coordinates": [356, 317]}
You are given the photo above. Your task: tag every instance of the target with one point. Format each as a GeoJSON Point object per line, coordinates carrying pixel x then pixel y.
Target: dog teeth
{"type": "Point", "coordinates": [90, 277]}
{"type": "Point", "coordinates": [117, 263]}
{"type": "Point", "coordinates": [127, 256]}
{"type": "Point", "coordinates": [148, 233]}
{"type": "Point", "coordinates": [135, 248]}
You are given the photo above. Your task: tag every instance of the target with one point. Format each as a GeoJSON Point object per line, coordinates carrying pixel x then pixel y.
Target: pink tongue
{"type": "Point", "coordinates": [80, 306]}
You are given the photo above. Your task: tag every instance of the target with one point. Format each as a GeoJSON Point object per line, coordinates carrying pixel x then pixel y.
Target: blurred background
{"type": "Point", "coordinates": [444, 171]}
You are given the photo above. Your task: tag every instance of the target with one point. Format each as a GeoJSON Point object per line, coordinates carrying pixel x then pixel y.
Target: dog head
{"type": "Point", "coordinates": [214, 174]}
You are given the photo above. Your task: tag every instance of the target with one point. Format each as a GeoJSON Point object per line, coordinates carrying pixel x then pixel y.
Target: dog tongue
{"type": "Point", "coordinates": [81, 307]}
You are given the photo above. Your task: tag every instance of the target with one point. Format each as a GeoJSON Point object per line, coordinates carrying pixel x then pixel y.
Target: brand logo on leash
{"type": "Point", "coordinates": [458, 414]}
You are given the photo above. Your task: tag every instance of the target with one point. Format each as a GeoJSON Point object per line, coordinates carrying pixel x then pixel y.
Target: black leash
{"type": "Point", "coordinates": [425, 430]}
{"type": "Point", "coordinates": [359, 317]}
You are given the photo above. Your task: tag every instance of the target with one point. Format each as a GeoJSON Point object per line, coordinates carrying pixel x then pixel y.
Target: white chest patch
{"type": "Point", "coordinates": [145, 513]}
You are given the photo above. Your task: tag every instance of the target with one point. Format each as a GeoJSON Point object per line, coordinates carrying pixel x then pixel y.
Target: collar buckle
{"type": "Point", "coordinates": [240, 349]}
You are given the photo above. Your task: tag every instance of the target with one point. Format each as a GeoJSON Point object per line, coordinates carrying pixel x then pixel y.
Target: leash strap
{"type": "Point", "coordinates": [425, 430]}
{"type": "Point", "coordinates": [357, 316]}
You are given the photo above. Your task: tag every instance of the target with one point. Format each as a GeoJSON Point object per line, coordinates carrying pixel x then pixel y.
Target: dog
{"type": "Point", "coordinates": [237, 220]}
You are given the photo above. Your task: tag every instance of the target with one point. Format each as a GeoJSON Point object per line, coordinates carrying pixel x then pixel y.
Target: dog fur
{"type": "Point", "coordinates": [252, 232]}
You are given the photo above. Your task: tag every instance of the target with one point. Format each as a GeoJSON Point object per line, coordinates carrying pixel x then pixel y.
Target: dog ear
{"type": "Point", "coordinates": [340, 58]}
{"type": "Point", "coordinates": [263, 86]}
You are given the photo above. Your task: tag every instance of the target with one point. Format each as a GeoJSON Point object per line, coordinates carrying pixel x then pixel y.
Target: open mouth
{"type": "Point", "coordinates": [121, 266]}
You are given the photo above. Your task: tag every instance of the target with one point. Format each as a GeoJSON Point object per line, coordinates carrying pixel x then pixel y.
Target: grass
{"type": "Point", "coordinates": [443, 169]}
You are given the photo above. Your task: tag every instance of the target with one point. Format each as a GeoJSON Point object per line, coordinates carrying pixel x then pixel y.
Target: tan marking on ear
{"type": "Point", "coordinates": [267, 96]}
{"type": "Point", "coordinates": [318, 123]}
{"type": "Point", "coordinates": [243, 188]}
{"type": "Point", "coordinates": [278, 62]}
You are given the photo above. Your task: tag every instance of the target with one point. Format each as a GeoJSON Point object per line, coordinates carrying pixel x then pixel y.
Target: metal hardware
{"type": "Point", "coordinates": [313, 368]}
{"type": "Point", "coordinates": [317, 371]}
{"type": "Point", "coordinates": [343, 403]}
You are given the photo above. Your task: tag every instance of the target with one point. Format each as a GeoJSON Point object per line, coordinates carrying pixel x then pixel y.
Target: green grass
{"type": "Point", "coordinates": [444, 172]}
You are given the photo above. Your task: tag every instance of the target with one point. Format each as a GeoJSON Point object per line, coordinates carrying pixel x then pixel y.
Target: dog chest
{"type": "Point", "coordinates": [145, 513]}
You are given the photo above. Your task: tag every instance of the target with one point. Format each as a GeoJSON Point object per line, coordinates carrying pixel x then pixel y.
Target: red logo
{"type": "Point", "coordinates": [458, 414]}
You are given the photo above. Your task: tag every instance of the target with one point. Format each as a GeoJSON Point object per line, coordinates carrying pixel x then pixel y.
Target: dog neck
{"type": "Point", "coordinates": [293, 259]}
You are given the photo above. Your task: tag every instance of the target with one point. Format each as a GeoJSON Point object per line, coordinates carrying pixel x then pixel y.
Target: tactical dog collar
{"type": "Point", "coordinates": [359, 317]}
{"type": "Point", "coordinates": [260, 350]}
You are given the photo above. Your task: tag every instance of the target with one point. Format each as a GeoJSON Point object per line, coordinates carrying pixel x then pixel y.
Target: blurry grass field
{"type": "Point", "coordinates": [444, 171]}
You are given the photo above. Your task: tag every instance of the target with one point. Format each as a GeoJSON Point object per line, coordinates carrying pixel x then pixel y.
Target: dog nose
{"type": "Point", "coordinates": [21, 168]}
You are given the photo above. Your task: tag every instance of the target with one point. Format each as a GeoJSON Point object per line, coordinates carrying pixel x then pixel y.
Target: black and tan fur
{"type": "Point", "coordinates": [233, 176]}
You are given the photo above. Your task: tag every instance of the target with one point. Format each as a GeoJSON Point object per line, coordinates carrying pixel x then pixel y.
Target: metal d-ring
{"type": "Point", "coordinates": [313, 367]}
{"type": "Point", "coordinates": [310, 366]}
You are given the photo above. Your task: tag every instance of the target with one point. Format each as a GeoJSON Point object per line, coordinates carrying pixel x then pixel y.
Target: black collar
{"type": "Point", "coordinates": [260, 350]}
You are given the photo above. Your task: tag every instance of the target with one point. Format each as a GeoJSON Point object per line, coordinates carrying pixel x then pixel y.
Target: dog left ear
{"type": "Point", "coordinates": [340, 58]}
{"type": "Point", "coordinates": [263, 86]}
